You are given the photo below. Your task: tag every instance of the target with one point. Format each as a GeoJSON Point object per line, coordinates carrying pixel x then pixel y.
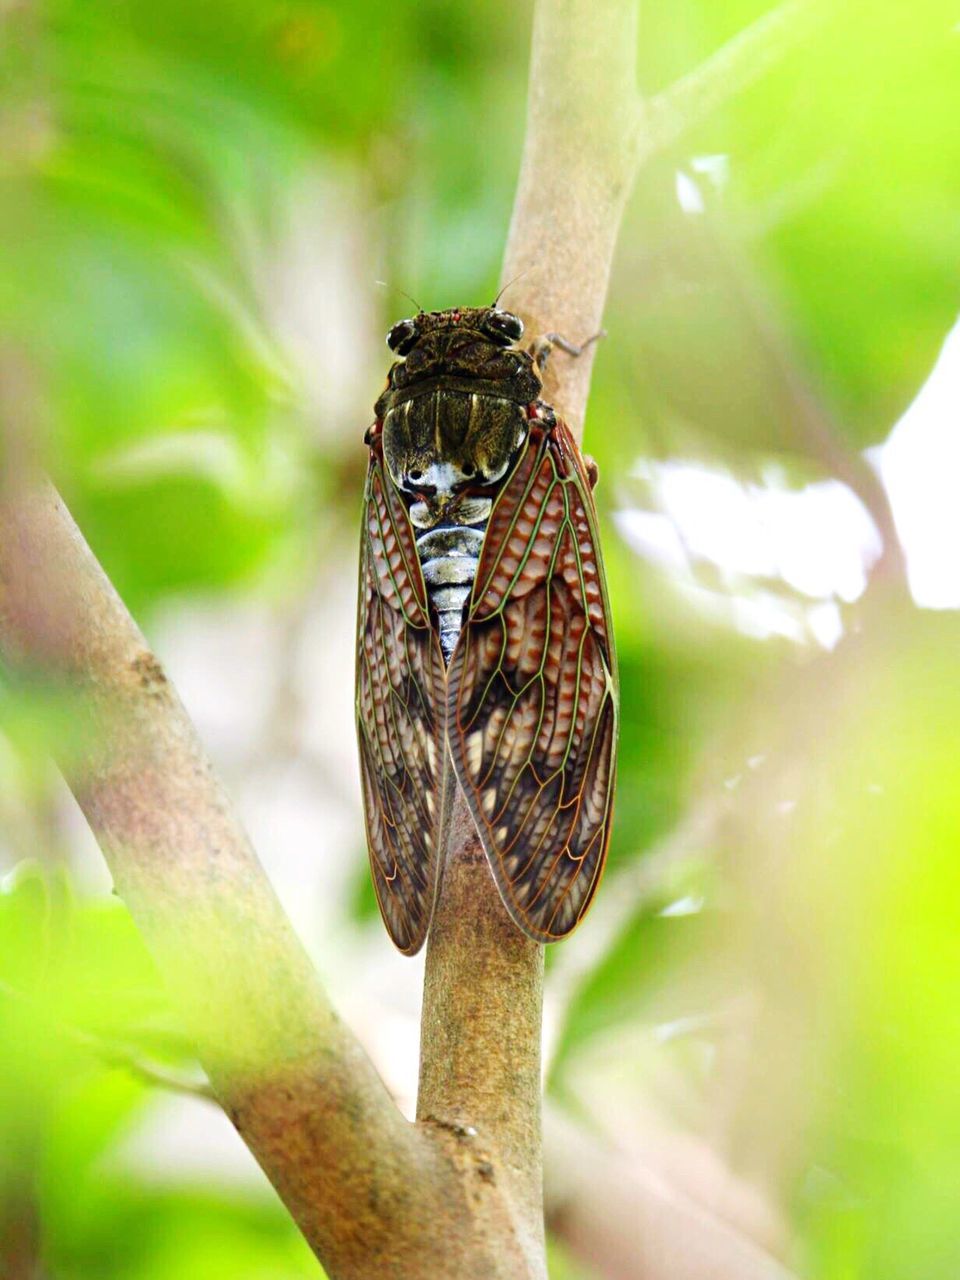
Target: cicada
{"type": "Point", "coordinates": [485, 654]}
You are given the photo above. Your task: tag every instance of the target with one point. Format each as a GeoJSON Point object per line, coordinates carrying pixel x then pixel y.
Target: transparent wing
{"type": "Point", "coordinates": [400, 706]}
{"type": "Point", "coordinates": [532, 702]}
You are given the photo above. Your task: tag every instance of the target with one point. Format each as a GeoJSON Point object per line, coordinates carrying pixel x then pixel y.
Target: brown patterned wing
{"type": "Point", "coordinates": [532, 701]}
{"type": "Point", "coordinates": [401, 692]}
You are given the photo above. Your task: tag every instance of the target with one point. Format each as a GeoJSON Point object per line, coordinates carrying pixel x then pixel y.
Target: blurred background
{"type": "Point", "coordinates": [760, 1021]}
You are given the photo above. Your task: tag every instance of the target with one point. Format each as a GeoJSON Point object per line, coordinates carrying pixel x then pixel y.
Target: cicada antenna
{"type": "Point", "coordinates": [509, 283]}
{"type": "Point", "coordinates": [396, 289]}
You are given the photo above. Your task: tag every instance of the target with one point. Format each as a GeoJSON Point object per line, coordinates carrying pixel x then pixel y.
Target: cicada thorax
{"type": "Point", "coordinates": [450, 452]}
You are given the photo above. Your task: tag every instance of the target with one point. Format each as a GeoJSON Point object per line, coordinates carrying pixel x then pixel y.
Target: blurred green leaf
{"type": "Point", "coordinates": [652, 976]}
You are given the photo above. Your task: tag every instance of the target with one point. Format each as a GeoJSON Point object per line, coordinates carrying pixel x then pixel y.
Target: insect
{"type": "Point", "coordinates": [485, 652]}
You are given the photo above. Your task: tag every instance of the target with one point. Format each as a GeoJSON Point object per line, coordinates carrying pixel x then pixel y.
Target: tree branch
{"type": "Point", "coordinates": [575, 177]}
{"type": "Point", "coordinates": [370, 1192]}
{"type": "Point", "coordinates": [586, 135]}
{"type": "Point", "coordinates": [483, 986]}
{"type": "Point", "coordinates": [625, 1220]}
{"type": "Point", "coordinates": [480, 1034]}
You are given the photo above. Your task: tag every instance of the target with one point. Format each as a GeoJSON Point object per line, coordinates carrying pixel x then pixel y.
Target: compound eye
{"type": "Point", "coordinates": [505, 326]}
{"type": "Point", "coordinates": [402, 336]}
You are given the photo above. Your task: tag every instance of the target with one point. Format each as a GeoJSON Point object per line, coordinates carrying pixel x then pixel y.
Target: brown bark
{"type": "Point", "coordinates": [480, 1034]}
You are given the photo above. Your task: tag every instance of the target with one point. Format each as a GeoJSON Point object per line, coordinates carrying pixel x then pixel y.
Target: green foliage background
{"type": "Point", "coordinates": [165, 171]}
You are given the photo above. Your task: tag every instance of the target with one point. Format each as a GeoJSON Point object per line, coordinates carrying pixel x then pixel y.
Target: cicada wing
{"type": "Point", "coordinates": [400, 704]}
{"type": "Point", "coordinates": [532, 692]}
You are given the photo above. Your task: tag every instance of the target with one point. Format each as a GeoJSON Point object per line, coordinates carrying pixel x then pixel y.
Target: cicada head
{"type": "Point", "coordinates": [499, 327]}
{"type": "Point", "coordinates": [472, 347]}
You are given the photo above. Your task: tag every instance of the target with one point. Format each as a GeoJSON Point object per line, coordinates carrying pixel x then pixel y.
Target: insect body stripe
{"type": "Point", "coordinates": [449, 556]}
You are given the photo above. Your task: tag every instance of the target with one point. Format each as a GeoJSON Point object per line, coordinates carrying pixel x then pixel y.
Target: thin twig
{"type": "Point", "coordinates": [588, 134]}
{"type": "Point", "coordinates": [149, 1073]}
{"type": "Point", "coordinates": [739, 63]}
{"type": "Point", "coordinates": [625, 1220]}
{"type": "Point", "coordinates": [575, 177]}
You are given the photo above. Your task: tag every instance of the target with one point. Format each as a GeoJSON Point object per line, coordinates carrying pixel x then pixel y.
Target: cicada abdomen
{"type": "Point", "coordinates": [484, 631]}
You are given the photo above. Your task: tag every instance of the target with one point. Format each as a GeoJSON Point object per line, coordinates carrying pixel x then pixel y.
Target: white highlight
{"type": "Point", "coordinates": [716, 168]}
{"type": "Point", "coordinates": [764, 558]}
{"type": "Point", "coordinates": [689, 196]}
{"type": "Point", "coordinates": [691, 905]}
{"type": "Point", "coordinates": [775, 561]}
{"type": "Point", "coordinates": [920, 467]}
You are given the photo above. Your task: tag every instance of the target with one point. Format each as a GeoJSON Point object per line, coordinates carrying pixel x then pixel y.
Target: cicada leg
{"type": "Point", "coordinates": [541, 347]}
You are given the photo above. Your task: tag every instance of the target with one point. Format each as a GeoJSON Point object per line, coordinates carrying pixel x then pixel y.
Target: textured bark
{"type": "Point", "coordinates": [480, 1034]}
